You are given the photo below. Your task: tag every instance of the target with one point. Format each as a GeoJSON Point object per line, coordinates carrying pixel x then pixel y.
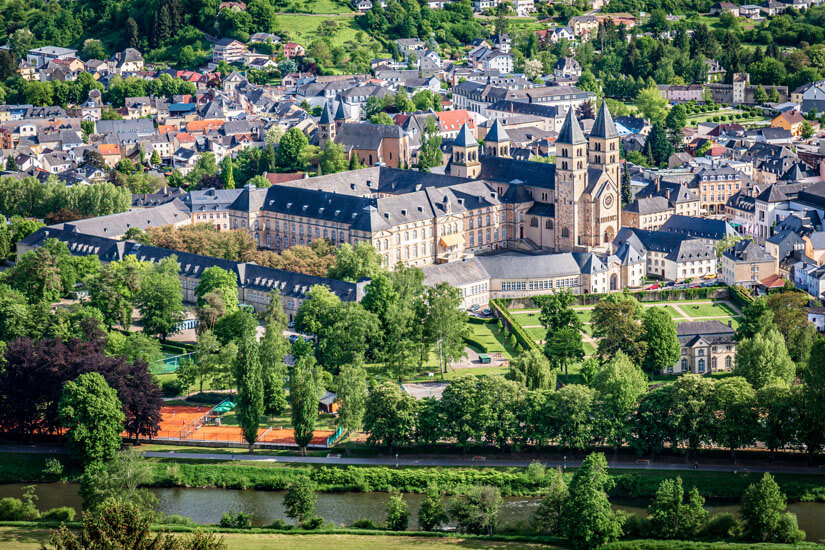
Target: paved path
{"type": "Point", "coordinates": [447, 462]}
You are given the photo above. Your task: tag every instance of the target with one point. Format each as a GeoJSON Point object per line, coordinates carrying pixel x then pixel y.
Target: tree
{"type": "Point", "coordinates": [477, 511]}
{"type": "Point", "coordinates": [532, 370]}
{"type": "Point", "coordinates": [676, 118]}
{"type": "Point", "coordinates": [91, 412]}
{"type": "Point", "coordinates": [274, 347]}
{"type": "Point", "coordinates": [557, 313]}
{"type": "Point", "coordinates": [807, 130]}
{"type": "Point", "coordinates": [758, 317]}
{"type": "Point", "coordinates": [122, 524]}
{"type": "Point", "coordinates": [586, 517]}
{"type": "Point", "coordinates": [224, 282]}
{"type": "Point", "coordinates": [445, 324]}
{"type": "Point", "coordinates": [352, 393]}
{"type": "Point", "coordinates": [274, 134]}
{"type": "Point", "coordinates": [227, 175]}
{"type": "Point", "coordinates": [398, 513]}
{"type": "Point", "coordinates": [547, 517]}
{"type": "Point", "coordinates": [764, 516]}
{"type": "Point", "coordinates": [300, 498]}
{"type": "Point", "coordinates": [763, 359]}
{"type": "Point", "coordinates": [760, 96]}
{"type": "Point", "coordinates": [431, 513]}
{"type": "Point", "coordinates": [534, 68]}
{"type": "Point", "coordinates": [356, 262]}
{"type": "Point", "coordinates": [620, 384]}
{"type": "Point", "coordinates": [389, 415]}
{"type": "Point", "coordinates": [429, 154]}
{"type": "Point", "coordinates": [333, 159]}
{"type": "Point", "coordinates": [21, 41]}
{"type": "Point", "coordinates": [132, 34]}
{"type": "Point", "coordinates": [214, 362]}
{"type": "Point", "coordinates": [304, 393]}
{"type": "Point", "coordinates": [155, 159]}
{"type": "Point", "coordinates": [292, 150]}
{"type": "Point", "coordinates": [652, 104]}
{"type": "Point", "coordinates": [571, 409]}
{"type": "Point", "coordinates": [250, 390]}
{"type": "Point", "coordinates": [663, 348]}
{"type": "Point", "coordinates": [776, 413]}
{"type": "Point", "coordinates": [124, 477]}
{"type": "Point", "coordinates": [564, 347]}
{"type": "Point", "coordinates": [616, 323]}
{"type": "Point", "coordinates": [381, 118]}
{"type": "Point", "coordinates": [691, 410]}
{"type": "Point", "coordinates": [657, 145]}
{"type": "Point", "coordinates": [673, 517]}
{"type": "Point", "coordinates": [160, 299]}
{"type": "Point", "coordinates": [734, 400]}
{"type": "Point", "coordinates": [11, 164]}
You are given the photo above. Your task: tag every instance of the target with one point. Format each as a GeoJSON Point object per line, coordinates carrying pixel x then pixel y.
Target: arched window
{"type": "Point", "coordinates": [713, 363]}
{"type": "Point", "coordinates": [684, 365]}
{"type": "Point", "coordinates": [728, 362]}
{"type": "Point", "coordinates": [480, 237]}
{"type": "Point", "coordinates": [701, 365]}
{"type": "Point", "coordinates": [565, 233]}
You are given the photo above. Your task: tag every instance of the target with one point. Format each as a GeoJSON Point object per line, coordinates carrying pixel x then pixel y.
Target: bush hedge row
{"type": "Point", "coordinates": [497, 305]}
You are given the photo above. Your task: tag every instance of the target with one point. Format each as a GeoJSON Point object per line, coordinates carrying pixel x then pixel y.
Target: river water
{"type": "Point", "coordinates": [205, 506]}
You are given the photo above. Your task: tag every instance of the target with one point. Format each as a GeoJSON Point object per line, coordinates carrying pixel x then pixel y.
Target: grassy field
{"type": "Point", "coordinates": [707, 310]}
{"type": "Point", "coordinates": [492, 339]}
{"type": "Point", "coordinates": [303, 29]}
{"type": "Point", "coordinates": [24, 538]}
{"type": "Point", "coordinates": [316, 6]}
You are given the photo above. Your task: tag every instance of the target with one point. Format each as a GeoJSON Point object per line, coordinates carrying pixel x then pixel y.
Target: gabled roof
{"type": "Point", "coordinates": [326, 115]}
{"type": "Point", "coordinates": [571, 132]}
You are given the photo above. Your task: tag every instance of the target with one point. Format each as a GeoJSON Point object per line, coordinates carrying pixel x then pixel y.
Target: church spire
{"type": "Point", "coordinates": [571, 132]}
{"type": "Point", "coordinates": [604, 127]}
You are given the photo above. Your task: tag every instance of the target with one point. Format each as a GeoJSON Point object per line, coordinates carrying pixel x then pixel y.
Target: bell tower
{"type": "Point", "coordinates": [464, 162]}
{"type": "Point", "coordinates": [603, 148]}
{"type": "Point", "coordinates": [497, 142]}
{"type": "Point", "coordinates": [571, 180]}
{"type": "Point", "coordinates": [326, 126]}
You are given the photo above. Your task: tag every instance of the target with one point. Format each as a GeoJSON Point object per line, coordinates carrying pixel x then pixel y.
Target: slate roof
{"type": "Point", "coordinates": [116, 225]}
{"type": "Point", "coordinates": [326, 115]}
{"type": "Point", "coordinates": [677, 248]}
{"type": "Point", "coordinates": [649, 205]}
{"type": "Point", "coordinates": [366, 137]}
{"type": "Point", "coordinates": [455, 274]}
{"type": "Point", "coordinates": [604, 126]}
{"type": "Point", "coordinates": [504, 170]}
{"type": "Point", "coordinates": [571, 132]}
{"type": "Point", "coordinates": [516, 265]}
{"type": "Point", "coordinates": [497, 133]}
{"type": "Point", "coordinates": [748, 251]}
{"type": "Point", "coordinates": [465, 137]}
{"type": "Point", "coordinates": [714, 332]}
{"type": "Point", "coordinates": [700, 228]}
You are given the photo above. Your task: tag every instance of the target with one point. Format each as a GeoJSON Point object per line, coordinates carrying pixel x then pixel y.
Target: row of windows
{"type": "Point", "coordinates": [481, 240]}
{"type": "Point", "coordinates": [475, 289]}
{"type": "Point", "coordinates": [212, 217]}
{"type": "Point", "coordinates": [720, 187]}
{"type": "Point", "coordinates": [548, 284]}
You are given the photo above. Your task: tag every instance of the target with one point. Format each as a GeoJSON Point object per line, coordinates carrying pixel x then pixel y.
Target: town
{"type": "Point", "coordinates": [436, 255]}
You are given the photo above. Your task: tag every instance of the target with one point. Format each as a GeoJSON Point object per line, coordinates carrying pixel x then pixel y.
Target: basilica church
{"type": "Point", "coordinates": [572, 205]}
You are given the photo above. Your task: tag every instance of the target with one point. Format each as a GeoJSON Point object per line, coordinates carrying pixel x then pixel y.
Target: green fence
{"type": "Point", "coordinates": [170, 364]}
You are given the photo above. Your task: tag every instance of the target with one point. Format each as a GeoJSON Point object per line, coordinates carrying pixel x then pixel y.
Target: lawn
{"type": "Point", "coordinates": [526, 318]}
{"type": "Point", "coordinates": [316, 6]}
{"type": "Point", "coordinates": [492, 339]}
{"type": "Point", "coordinates": [589, 349]}
{"type": "Point", "coordinates": [538, 333]}
{"type": "Point", "coordinates": [24, 538]}
{"type": "Point", "coordinates": [707, 310]}
{"type": "Point", "coordinates": [303, 29]}
{"type": "Point", "coordinates": [672, 312]}
{"type": "Point", "coordinates": [584, 315]}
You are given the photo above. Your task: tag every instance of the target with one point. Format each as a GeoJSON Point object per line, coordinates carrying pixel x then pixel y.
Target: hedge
{"type": "Point", "coordinates": [522, 337]}
{"type": "Point", "coordinates": [740, 297]}
{"type": "Point", "coordinates": [694, 545]}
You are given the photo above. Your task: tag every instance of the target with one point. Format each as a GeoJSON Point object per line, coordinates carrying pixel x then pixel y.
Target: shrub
{"type": "Point", "coordinates": [11, 509]}
{"type": "Point", "coordinates": [313, 523]}
{"type": "Point", "coordinates": [172, 388]}
{"type": "Point", "coordinates": [63, 513]}
{"type": "Point", "coordinates": [398, 514]}
{"type": "Point", "coordinates": [53, 468]}
{"type": "Point", "coordinates": [635, 527]}
{"type": "Point", "coordinates": [722, 526]}
{"type": "Point", "coordinates": [236, 520]}
{"type": "Point", "coordinates": [365, 523]}
{"type": "Point", "coordinates": [176, 519]}
{"type": "Point", "coordinates": [280, 524]}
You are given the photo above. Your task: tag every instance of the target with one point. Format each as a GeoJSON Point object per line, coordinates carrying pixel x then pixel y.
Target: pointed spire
{"type": "Point", "coordinates": [604, 127]}
{"type": "Point", "coordinates": [465, 137]}
{"type": "Point", "coordinates": [571, 132]}
{"type": "Point", "coordinates": [340, 113]}
{"type": "Point", "coordinates": [326, 116]}
{"type": "Point", "coordinates": [497, 133]}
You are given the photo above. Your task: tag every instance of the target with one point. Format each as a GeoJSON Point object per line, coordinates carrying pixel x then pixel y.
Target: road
{"type": "Point", "coordinates": [446, 462]}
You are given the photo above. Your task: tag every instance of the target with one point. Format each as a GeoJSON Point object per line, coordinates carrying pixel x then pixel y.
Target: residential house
{"type": "Point", "coordinates": [791, 121]}
{"type": "Point", "coordinates": [706, 346]}
{"type": "Point", "coordinates": [228, 50]}
{"type": "Point", "coordinates": [746, 264]}
{"type": "Point", "coordinates": [293, 50]}
{"type": "Point", "coordinates": [40, 57]}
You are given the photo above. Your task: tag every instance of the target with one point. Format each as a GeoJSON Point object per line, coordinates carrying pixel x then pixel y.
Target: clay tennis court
{"type": "Point", "coordinates": [179, 422]}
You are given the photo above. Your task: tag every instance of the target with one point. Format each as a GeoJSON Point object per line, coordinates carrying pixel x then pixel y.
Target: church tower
{"type": "Point", "coordinates": [571, 180]}
{"type": "Point", "coordinates": [497, 142]}
{"type": "Point", "coordinates": [326, 126]}
{"type": "Point", "coordinates": [465, 163]}
{"type": "Point", "coordinates": [603, 149]}
{"type": "Point", "coordinates": [340, 115]}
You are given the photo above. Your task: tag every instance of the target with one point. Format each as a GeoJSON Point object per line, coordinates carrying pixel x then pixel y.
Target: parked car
{"type": "Point", "coordinates": [475, 307]}
{"type": "Point", "coordinates": [654, 286]}
{"type": "Point", "coordinates": [293, 338]}
{"type": "Point", "coordinates": [291, 324]}
{"type": "Point", "coordinates": [487, 312]}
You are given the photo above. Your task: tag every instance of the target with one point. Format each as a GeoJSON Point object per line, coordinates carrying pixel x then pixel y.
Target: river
{"type": "Point", "coordinates": [205, 506]}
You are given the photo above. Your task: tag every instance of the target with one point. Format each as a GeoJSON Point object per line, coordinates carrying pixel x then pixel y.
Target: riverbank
{"type": "Point", "coordinates": [513, 481]}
